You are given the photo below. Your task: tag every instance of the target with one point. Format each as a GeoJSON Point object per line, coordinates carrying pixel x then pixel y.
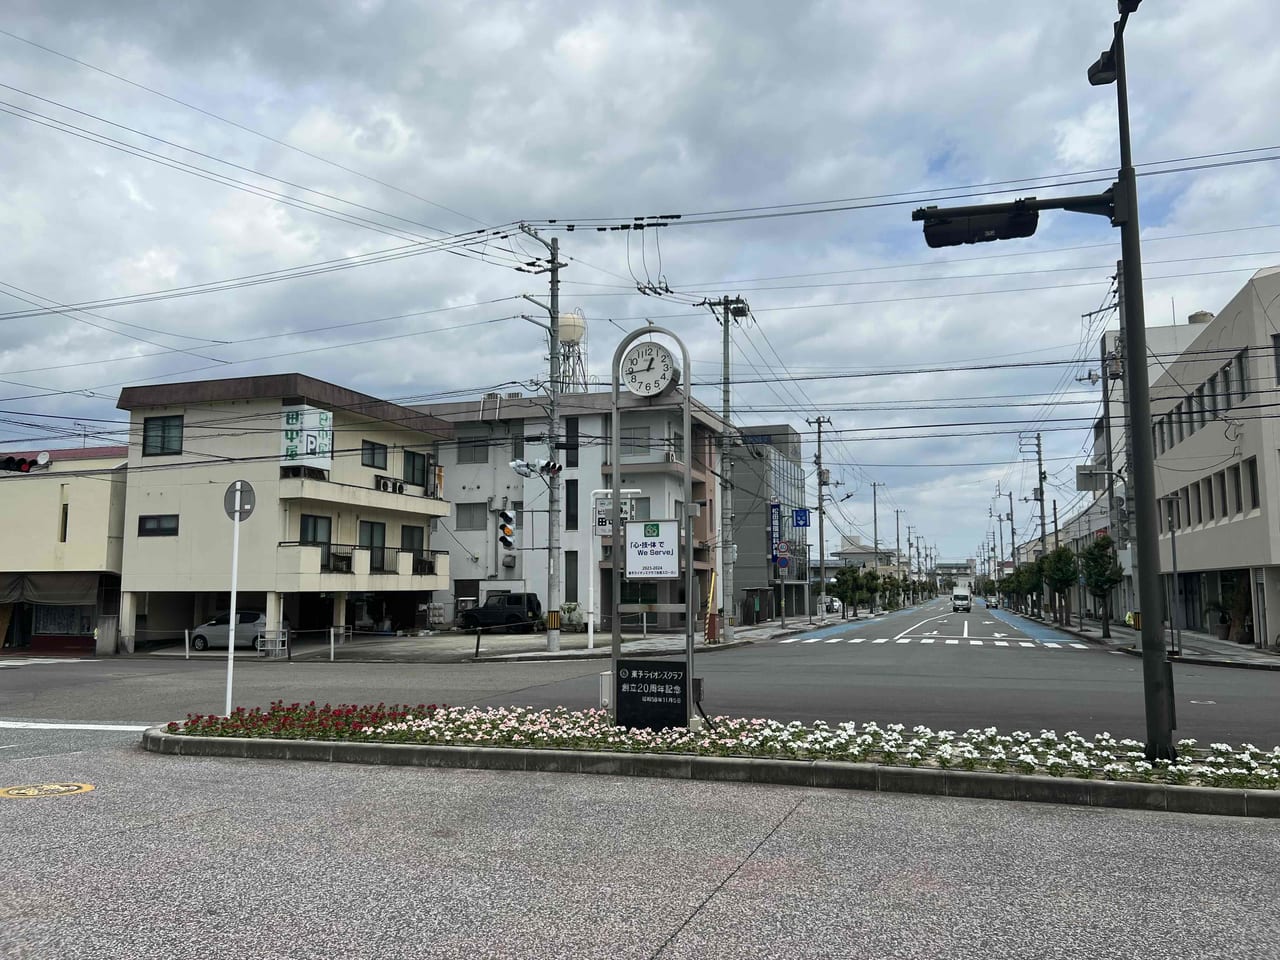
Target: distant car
{"type": "Point", "coordinates": [514, 612]}
{"type": "Point", "coordinates": [961, 600]}
{"type": "Point", "coordinates": [251, 626]}
{"type": "Point", "coordinates": [992, 602]}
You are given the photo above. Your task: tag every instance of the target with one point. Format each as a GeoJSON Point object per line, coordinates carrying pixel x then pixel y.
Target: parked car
{"type": "Point", "coordinates": [513, 612]}
{"type": "Point", "coordinates": [251, 625]}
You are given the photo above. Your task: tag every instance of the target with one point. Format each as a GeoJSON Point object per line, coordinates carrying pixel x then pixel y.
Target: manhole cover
{"type": "Point", "coordinates": [28, 791]}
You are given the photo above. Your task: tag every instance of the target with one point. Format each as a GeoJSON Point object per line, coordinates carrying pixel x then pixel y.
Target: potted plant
{"type": "Point", "coordinates": [1219, 625]}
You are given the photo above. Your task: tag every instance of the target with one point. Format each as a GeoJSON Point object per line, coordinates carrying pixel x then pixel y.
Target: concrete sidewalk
{"type": "Point", "coordinates": [457, 647]}
{"type": "Point", "coordinates": [1197, 648]}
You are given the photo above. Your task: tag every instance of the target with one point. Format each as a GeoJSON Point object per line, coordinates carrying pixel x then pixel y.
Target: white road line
{"type": "Point", "coordinates": [1048, 646]}
{"type": "Point", "coordinates": [1025, 643]}
{"type": "Point", "coordinates": [836, 640]}
{"type": "Point", "coordinates": [1002, 643]}
{"type": "Point", "coordinates": [886, 640]}
{"type": "Point", "coordinates": [966, 628]}
{"type": "Point", "coordinates": [792, 640]}
{"type": "Point", "coordinates": [953, 640]}
{"type": "Point", "coordinates": [927, 640]}
{"type": "Point", "coordinates": [1081, 646]}
{"type": "Point", "coordinates": [904, 640]}
{"type": "Point", "coordinates": [912, 629]}
{"type": "Point", "coordinates": [975, 643]}
{"type": "Point", "coordinates": [814, 640]}
{"type": "Point", "coordinates": [857, 639]}
{"type": "Point", "coordinates": [37, 725]}
{"type": "Point", "coordinates": [43, 756]}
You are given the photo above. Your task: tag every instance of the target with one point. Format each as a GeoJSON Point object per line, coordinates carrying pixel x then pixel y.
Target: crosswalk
{"type": "Point", "coordinates": [1013, 642]}
{"type": "Point", "coordinates": [12, 663]}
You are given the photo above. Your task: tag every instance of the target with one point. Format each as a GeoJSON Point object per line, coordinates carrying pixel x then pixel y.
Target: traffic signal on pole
{"type": "Point", "coordinates": [949, 231]}
{"type": "Point", "coordinates": [507, 529]}
{"type": "Point", "coordinates": [17, 464]}
{"type": "Point", "coordinates": [549, 468]}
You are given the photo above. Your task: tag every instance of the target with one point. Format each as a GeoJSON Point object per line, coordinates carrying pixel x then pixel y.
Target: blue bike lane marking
{"type": "Point", "coordinates": [1033, 629]}
{"type": "Point", "coordinates": [850, 626]}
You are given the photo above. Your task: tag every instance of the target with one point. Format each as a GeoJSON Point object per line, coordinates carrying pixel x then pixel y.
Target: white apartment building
{"type": "Point", "coordinates": [491, 432]}
{"type": "Point", "coordinates": [62, 525]}
{"type": "Point", "coordinates": [346, 490]}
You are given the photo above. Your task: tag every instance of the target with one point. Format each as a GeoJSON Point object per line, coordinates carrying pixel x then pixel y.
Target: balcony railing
{"type": "Point", "coordinates": [391, 561]}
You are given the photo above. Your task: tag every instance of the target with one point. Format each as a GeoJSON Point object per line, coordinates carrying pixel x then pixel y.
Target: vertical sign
{"type": "Point", "coordinates": [775, 529]}
{"type": "Point", "coordinates": [307, 437]}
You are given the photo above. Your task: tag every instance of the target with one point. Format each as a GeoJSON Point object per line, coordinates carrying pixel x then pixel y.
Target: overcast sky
{"type": "Point", "coordinates": [154, 146]}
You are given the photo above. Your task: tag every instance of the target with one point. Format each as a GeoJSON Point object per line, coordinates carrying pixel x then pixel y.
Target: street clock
{"type": "Point", "coordinates": [649, 369]}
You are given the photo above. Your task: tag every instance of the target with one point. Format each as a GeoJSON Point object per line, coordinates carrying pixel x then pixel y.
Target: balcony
{"type": "Point", "coordinates": [346, 566]}
{"type": "Point", "coordinates": [420, 501]}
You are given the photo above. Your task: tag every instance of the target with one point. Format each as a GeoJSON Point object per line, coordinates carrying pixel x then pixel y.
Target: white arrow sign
{"type": "Point", "coordinates": [999, 635]}
{"type": "Point", "coordinates": [987, 622]}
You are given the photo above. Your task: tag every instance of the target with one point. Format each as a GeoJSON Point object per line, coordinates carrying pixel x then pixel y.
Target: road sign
{"type": "Point", "coordinates": [783, 549]}
{"type": "Point", "coordinates": [604, 515]}
{"type": "Point", "coordinates": [800, 517]}
{"type": "Point", "coordinates": [783, 561]}
{"type": "Point", "coordinates": [247, 500]}
{"type": "Point", "coordinates": [653, 549]}
{"type": "Point", "coordinates": [775, 528]}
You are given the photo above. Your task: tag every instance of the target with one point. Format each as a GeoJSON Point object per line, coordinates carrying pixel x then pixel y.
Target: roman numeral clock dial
{"type": "Point", "coordinates": [649, 369]}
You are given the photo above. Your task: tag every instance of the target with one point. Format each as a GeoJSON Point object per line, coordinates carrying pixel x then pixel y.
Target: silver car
{"type": "Point", "coordinates": [251, 625]}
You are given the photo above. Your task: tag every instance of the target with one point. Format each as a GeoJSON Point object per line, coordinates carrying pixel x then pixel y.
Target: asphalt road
{"type": "Point", "coordinates": [208, 858]}
{"type": "Point", "coordinates": [924, 666]}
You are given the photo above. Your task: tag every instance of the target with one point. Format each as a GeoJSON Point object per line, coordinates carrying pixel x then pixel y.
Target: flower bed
{"type": "Point", "coordinates": [1047, 753]}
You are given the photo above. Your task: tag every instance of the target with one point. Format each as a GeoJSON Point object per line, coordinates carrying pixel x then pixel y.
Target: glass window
{"type": "Point", "coordinates": [1179, 422]}
{"type": "Point", "coordinates": [1211, 395]}
{"type": "Point", "coordinates": [571, 504]}
{"type": "Point", "coordinates": [415, 468]}
{"type": "Point", "coordinates": [63, 621]}
{"type": "Point", "coordinates": [1275, 349]}
{"type": "Point", "coordinates": [1220, 484]}
{"type": "Point", "coordinates": [1227, 399]}
{"type": "Point", "coordinates": [162, 436]}
{"type": "Point", "coordinates": [161, 525]}
{"type": "Point", "coordinates": [634, 441]}
{"type": "Point", "coordinates": [473, 449]}
{"type": "Point", "coordinates": [413, 539]}
{"type": "Point", "coordinates": [472, 516]}
{"type": "Point", "coordinates": [1237, 493]}
{"type": "Point", "coordinates": [315, 529]}
{"type": "Point", "coordinates": [62, 523]}
{"type": "Point", "coordinates": [1242, 373]}
{"type": "Point", "coordinates": [570, 441]}
{"type": "Point", "coordinates": [373, 454]}
{"type": "Point", "coordinates": [1255, 495]}
{"type": "Point", "coordinates": [1210, 512]}
{"type": "Point", "coordinates": [373, 535]}
{"type": "Point", "coordinates": [1157, 436]}
{"type": "Point", "coordinates": [571, 576]}
{"type": "Point", "coordinates": [1184, 498]}
{"type": "Point", "coordinates": [677, 446]}
{"type": "Point", "coordinates": [640, 508]}
{"type": "Point", "coordinates": [517, 507]}
{"type": "Point", "coordinates": [517, 442]}
{"type": "Point", "coordinates": [1197, 509]}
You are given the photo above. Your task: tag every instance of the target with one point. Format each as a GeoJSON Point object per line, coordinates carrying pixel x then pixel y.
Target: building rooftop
{"type": "Point", "coordinates": [72, 453]}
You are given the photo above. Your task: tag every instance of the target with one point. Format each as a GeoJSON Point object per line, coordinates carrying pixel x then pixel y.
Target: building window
{"type": "Point", "coordinates": [472, 516]}
{"type": "Point", "coordinates": [571, 504]}
{"type": "Point", "coordinates": [1210, 512]}
{"type": "Point", "coordinates": [1237, 493]}
{"type": "Point", "coordinates": [1184, 497]}
{"type": "Point", "coordinates": [162, 436]}
{"type": "Point", "coordinates": [1197, 509]}
{"type": "Point", "coordinates": [415, 468]}
{"type": "Point", "coordinates": [1227, 399]}
{"type": "Point", "coordinates": [1255, 495]}
{"type": "Point", "coordinates": [473, 449]}
{"type": "Point", "coordinates": [677, 446]}
{"type": "Point", "coordinates": [1179, 420]}
{"type": "Point", "coordinates": [640, 508]}
{"type": "Point", "coordinates": [517, 442]}
{"type": "Point", "coordinates": [1242, 372]}
{"type": "Point", "coordinates": [373, 536]}
{"type": "Point", "coordinates": [315, 529]}
{"type": "Point", "coordinates": [1157, 436]}
{"type": "Point", "coordinates": [62, 523]}
{"type": "Point", "coordinates": [571, 576]}
{"type": "Point", "coordinates": [158, 525]}
{"type": "Point", "coordinates": [1220, 483]}
{"type": "Point", "coordinates": [373, 454]}
{"type": "Point", "coordinates": [570, 441]}
{"type": "Point", "coordinates": [1275, 349]}
{"type": "Point", "coordinates": [413, 539]}
{"type": "Point", "coordinates": [64, 621]}
{"type": "Point", "coordinates": [517, 507]}
{"type": "Point", "coordinates": [634, 441]}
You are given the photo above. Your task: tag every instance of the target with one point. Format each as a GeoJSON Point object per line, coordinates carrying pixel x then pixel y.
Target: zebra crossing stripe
{"type": "Point", "coordinates": [836, 640]}
{"type": "Point", "coordinates": [814, 640]}
{"type": "Point", "coordinates": [1025, 643]}
{"type": "Point", "coordinates": [1048, 646]}
{"type": "Point", "coordinates": [953, 640]}
{"type": "Point", "coordinates": [885, 640]}
{"type": "Point", "coordinates": [1081, 646]}
{"type": "Point", "coordinates": [1002, 643]}
{"type": "Point", "coordinates": [904, 640]}
{"type": "Point", "coordinates": [792, 640]}
{"type": "Point", "coordinates": [857, 639]}
{"type": "Point", "coordinates": [975, 643]}
{"type": "Point", "coordinates": [927, 640]}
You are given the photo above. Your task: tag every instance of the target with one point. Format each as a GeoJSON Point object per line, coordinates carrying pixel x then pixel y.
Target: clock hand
{"type": "Point", "coordinates": [651, 363]}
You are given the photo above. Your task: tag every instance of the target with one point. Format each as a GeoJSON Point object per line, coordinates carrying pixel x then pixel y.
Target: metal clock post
{"type": "Point", "coordinates": [651, 380]}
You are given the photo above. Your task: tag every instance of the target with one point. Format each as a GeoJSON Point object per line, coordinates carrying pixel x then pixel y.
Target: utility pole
{"type": "Point", "coordinates": [732, 308]}
{"type": "Point", "coordinates": [897, 537]}
{"type": "Point", "coordinates": [553, 431]}
{"type": "Point", "coordinates": [822, 540]}
{"type": "Point", "coordinates": [1044, 539]}
{"type": "Point", "coordinates": [911, 580]}
{"type": "Point", "coordinates": [875, 536]}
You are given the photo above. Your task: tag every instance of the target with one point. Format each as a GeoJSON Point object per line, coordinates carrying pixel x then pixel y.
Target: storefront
{"type": "Point", "coordinates": [58, 612]}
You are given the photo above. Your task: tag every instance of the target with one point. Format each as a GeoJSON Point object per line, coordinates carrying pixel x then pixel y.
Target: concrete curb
{"type": "Point", "coordinates": [603, 652]}
{"type": "Point", "coordinates": [792, 773]}
{"type": "Point", "coordinates": [1207, 661]}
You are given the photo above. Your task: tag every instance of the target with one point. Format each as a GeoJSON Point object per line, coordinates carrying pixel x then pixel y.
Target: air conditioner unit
{"type": "Point", "coordinates": [385, 484]}
{"type": "Point", "coordinates": [399, 487]}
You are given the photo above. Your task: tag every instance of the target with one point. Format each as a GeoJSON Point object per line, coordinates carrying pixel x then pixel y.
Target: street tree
{"type": "Point", "coordinates": [1102, 574]}
{"type": "Point", "coordinates": [1060, 572]}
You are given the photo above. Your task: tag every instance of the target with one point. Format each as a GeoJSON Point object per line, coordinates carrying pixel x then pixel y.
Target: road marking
{"type": "Point", "coordinates": [904, 640]}
{"type": "Point", "coordinates": [966, 628]}
{"type": "Point", "coordinates": [37, 725]}
{"type": "Point", "coordinates": [1025, 643]}
{"type": "Point", "coordinates": [814, 640]}
{"type": "Point", "coordinates": [927, 640]}
{"type": "Point", "coordinates": [792, 640]}
{"type": "Point", "coordinates": [952, 640]}
{"type": "Point", "coordinates": [857, 639]}
{"type": "Point", "coordinates": [912, 629]}
{"type": "Point", "coordinates": [1081, 646]}
{"type": "Point", "coordinates": [1048, 646]}
{"type": "Point", "coordinates": [1002, 643]}
{"type": "Point", "coordinates": [998, 635]}
{"type": "Point", "coordinates": [886, 640]}
{"type": "Point", "coordinates": [836, 640]}
{"type": "Point", "coordinates": [987, 622]}
{"type": "Point", "coordinates": [975, 643]}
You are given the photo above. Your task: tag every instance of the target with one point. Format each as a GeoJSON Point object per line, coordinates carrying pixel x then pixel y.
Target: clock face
{"type": "Point", "coordinates": [648, 369]}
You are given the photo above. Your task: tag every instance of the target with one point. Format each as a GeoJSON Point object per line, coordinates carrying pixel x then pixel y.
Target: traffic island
{"type": "Point", "coordinates": [978, 764]}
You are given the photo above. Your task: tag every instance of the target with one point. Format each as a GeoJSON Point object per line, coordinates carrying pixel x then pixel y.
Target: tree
{"type": "Point", "coordinates": [1101, 575]}
{"type": "Point", "coordinates": [1060, 572]}
{"type": "Point", "coordinates": [847, 587]}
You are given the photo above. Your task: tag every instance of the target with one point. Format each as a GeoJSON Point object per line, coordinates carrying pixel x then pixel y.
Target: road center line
{"type": "Point", "coordinates": [912, 629]}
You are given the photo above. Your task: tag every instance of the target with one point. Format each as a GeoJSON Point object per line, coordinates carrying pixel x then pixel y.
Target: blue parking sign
{"type": "Point", "coordinates": [800, 517]}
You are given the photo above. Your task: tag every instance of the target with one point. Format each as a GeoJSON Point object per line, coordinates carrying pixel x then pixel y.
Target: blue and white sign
{"type": "Point", "coordinates": [800, 517]}
{"type": "Point", "coordinates": [775, 529]}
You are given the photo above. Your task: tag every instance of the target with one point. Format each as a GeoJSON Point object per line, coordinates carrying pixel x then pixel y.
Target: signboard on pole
{"type": "Point", "coordinates": [307, 437]}
{"type": "Point", "coordinates": [653, 549]}
{"type": "Point", "coordinates": [652, 693]}
{"type": "Point", "coordinates": [775, 529]}
{"type": "Point", "coordinates": [800, 517]}
{"type": "Point", "coordinates": [604, 515]}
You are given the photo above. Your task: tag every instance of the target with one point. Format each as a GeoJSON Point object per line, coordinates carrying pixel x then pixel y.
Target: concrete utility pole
{"type": "Point", "coordinates": [822, 540]}
{"type": "Point", "coordinates": [911, 580]}
{"type": "Point", "coordinates": [553, 430]}
{"type": "Point", "coordinates": [1044, 538]}
{"type": "Point", "coordinates": [732, 308]}
{"type": "Point", "coordinates": [875, 536]}
{"type": "Point", "coordinates": [897, 536]}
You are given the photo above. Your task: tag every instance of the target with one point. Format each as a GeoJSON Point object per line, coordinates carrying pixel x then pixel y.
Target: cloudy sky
{"type": "Point", "coordinates": [331, 188]}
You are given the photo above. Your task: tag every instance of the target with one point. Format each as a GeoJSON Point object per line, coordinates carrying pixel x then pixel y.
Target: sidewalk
{"type": "Point", "coordinates": [458, 647]}
{"type": "Point", "coordinates": [1197, 648]}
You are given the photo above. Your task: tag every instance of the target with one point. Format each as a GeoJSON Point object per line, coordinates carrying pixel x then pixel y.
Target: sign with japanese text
{"type": "Point", "coordinates": [604, 515]}
{"type": "Point", "coordinates": [653, 549]}
{"type": "Point", "coordinates": [651, 693]}
{"type": "Point", "coordinates": [306, 437]}
{"type": "Point", "coordinates": [775, 529]}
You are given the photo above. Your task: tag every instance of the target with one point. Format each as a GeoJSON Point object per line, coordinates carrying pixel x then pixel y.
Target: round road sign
{"type": "Point", "coordinates": [247, 500]}
{"type": "Point", "coordinates": [783, 548]}
{"type": "Point", "coordinates": [782, 562]}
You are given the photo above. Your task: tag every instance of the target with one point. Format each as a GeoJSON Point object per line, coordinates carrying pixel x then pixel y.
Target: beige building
{"type": "Point", "coordinates": [346, 489]}
{"type": "Point", "coordinates": [62, 514]}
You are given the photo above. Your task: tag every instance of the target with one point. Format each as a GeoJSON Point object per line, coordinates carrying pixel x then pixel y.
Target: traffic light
{"type": "Point", "coordinates": [507, 529]}
{"type": "Point", "coordinates": [17, 464]}
{"type": "Point", "coordinates": [550, 468]}
{"type": "Point", "coordinates": [944, 231]}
